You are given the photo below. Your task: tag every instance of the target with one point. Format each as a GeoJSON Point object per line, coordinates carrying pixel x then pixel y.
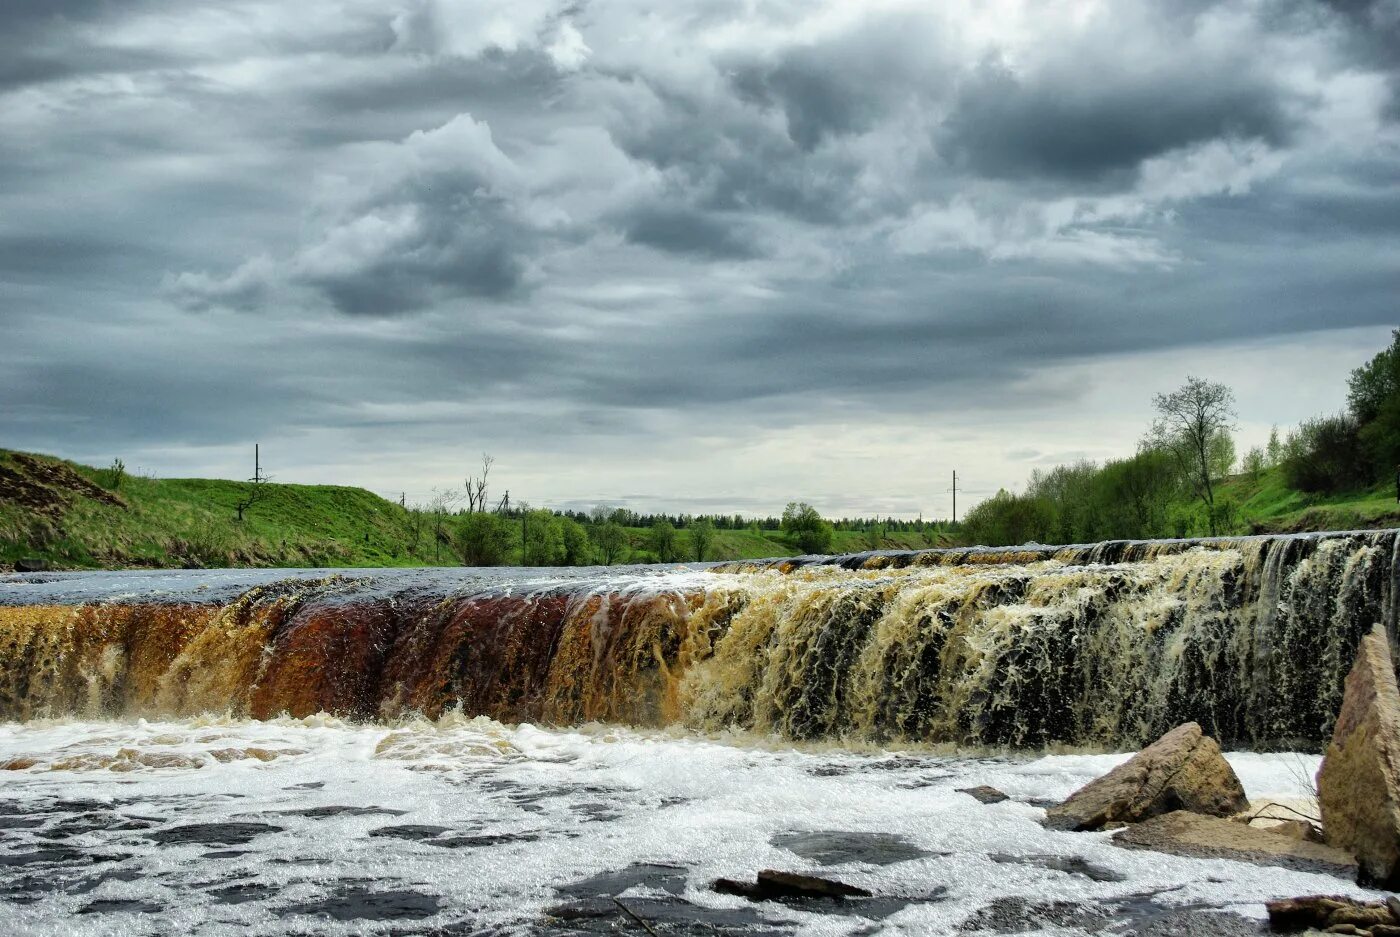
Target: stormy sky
{"type": "Point", "coordinates": [701, 255]}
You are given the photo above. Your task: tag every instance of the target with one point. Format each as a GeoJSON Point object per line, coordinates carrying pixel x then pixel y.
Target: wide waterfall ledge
{"type": "Point", "coordinates": [1103, 645]}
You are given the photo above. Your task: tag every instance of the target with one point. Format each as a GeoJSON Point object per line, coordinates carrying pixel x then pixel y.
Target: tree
{"type": "Point", "coordinates": [484, 539]}
{"type": "Point", "coordinates": [802, 522]}
{"type": "Point", "coordinates": [576, 546]}
{"type": "Point", "coordinates": [1255, 462]}
{"type": "Point", "coordinates": [702, 533]}
{"type": "Point", "coordinates": [663, 541]}
{"type": "Point", "coordinates": [875, 537]}
{"type": "Point", "coordinates": [1375, 382]}
{"type": "Point", "coordinates": [610, 538]}
{"type": "Point", "coordinates": [1189, 424]}
{"type": "Point", "coordinates": [476, 486]}
{"type": "Point", "coordinates": [440, 508]}
{"type": "Point", "coordinates": [542, 538]}
{"type": "Point", "coordinates": [1273, 451]}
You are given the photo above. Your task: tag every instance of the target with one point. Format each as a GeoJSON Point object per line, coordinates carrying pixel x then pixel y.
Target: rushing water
{"type": "Point", "coordinates": [579, 752]}
{"type": "Point", "coordinates": [1103, 645]}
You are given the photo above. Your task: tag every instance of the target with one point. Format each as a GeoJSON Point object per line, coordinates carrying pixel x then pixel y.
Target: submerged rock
{"type": "Point", "coordinates": [1358, 784]}
{"type": "Point", "coordinates": [1192, 834]}
{"type": "Point", "coordinates": [1183, 770]}
{"type": "Point", "coordinates": [1328, 912]}
{"type": "Point", "coordinates": [773, 884]}
{"type": "Point", "coordinates": [984, 794]}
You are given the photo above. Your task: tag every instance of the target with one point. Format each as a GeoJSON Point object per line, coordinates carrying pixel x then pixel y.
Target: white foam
{"type": "Point", "coordinates": [600, 798]}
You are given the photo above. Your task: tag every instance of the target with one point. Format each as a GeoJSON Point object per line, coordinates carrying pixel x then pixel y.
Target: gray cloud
{"type": "Point", "coordinates": [784, 238]}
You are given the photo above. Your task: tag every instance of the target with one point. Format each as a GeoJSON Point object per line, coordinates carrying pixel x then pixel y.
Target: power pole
{"type": "Point", "coordinates": [954, 490]}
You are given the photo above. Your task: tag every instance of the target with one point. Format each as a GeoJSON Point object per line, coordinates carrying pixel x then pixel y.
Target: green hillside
{"type": "Point", "coordinates": [1268, 505]}
{"type": "Point", "coordinates": [73, 516]}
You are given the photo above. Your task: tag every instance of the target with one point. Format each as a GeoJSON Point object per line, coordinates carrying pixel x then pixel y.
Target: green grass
{"type": "Point", "coordinates": [191, 522]}
{"type": "Point", "coordinates": [1268, 505]}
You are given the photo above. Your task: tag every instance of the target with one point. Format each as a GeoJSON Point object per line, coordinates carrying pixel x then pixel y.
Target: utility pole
{"type": "Point", "coordinates": [954, 490]}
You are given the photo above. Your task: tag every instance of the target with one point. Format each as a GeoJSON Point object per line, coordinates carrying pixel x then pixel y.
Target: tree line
{"type": "Point", "coordinates": [1171, 486]}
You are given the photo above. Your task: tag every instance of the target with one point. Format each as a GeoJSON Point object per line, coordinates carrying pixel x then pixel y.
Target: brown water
{"type": "Point", "coordinates": [1104, 645]}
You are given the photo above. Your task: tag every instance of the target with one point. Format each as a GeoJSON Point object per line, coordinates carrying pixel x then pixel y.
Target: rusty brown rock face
{"type": "Point", "coordinates": [1359, 782]}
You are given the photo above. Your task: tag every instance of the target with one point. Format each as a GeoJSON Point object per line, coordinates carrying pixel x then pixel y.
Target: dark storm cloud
{"type": "Point", "coordinates": [581, 229]}
{"type": "Point", "coordinates": [1095, 125]}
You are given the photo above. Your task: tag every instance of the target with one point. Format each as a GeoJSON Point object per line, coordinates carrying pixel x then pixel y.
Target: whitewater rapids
{"type": "Point", "coordinates": [221, 826]}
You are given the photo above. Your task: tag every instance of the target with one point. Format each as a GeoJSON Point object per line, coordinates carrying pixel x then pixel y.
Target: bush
{"type": "Point", "coordinates": [484, 539]}
{"type": "Point", "coordinates": [1326, 454]}
{"type": "Point", "coordinates": [805, 526]}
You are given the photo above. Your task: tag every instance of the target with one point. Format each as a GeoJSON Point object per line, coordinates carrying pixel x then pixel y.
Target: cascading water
{"type": "Point", "coordinates": [1106, 644]}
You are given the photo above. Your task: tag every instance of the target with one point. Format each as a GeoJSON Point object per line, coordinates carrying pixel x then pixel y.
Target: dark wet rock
{"type": "Point", "coordinates": [308, 786]}
{"type": "Point", "coordinates": [224, 854]}
{"type": "Point", "coordinates": [32, 564]}
{"type": "Point", "coordinates": [1183, 770]}
{"type": "Point", "coordinates": [983, 794]}
{"type": "Point", "coordinates": [242, 892]}
{"type": "Point", "coordinates": [656, 877]}
{"type": "Point", "coordinates": [1323, 912]}
{"type": "Point", "coordinates": [92, 823]}
{"type": "Point", "coordinates": [322, 813]}
{"type": "Point", "coordinates": [118, 905]}
{"type": "Point", "coordinates": [774, 884]}
{"type": "Point", "coordinates": [482, 840]}
{"type": "Point", "coordinates": [1070, 865]}
{"type": "Point", "coordinates": [598, 812]}
{"type": "Point", "coordinates": [361, 903]}
{"type": "Point", "coordinates": [220, 834]}
{"type": "Point", "coordinates": [1016, 915]}
{"type": "Point", "coordinates": [668, 915]}
{"type": "Point", "coordinates": [413, 831]}
{"type": "Point", "coordinates": [1194, 923]}
{"type": "Point", "coordinates": [56, 855]}
{"type": "Point", "coordinates": [839, 847]}
{"type": "Point", "coordinates": [1191, 834]}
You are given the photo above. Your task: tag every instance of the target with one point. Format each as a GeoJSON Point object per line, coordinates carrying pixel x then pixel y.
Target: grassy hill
{"type": "Point", "coordinates": [71, 516]}
{"type": "Point", "coordinates": [74, 516]}
{"type": "Point", "coordinates": [1268, 505]}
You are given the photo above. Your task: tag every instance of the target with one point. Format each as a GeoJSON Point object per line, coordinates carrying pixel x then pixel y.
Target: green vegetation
{"type": "Point", "coordinates": [75, 516]}
{"type": "Point", "coordinates": [1333, 472]}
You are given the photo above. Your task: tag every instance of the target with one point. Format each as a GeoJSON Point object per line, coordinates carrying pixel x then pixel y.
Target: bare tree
{"type": "Point", "coordinates": [257, 486]}
{"type": "Point", "coordinates": [441, 507]}
{"type": "Point", "coordinates": [476, 486]}
{"type": "Point", "coordinates": [1190, 422]}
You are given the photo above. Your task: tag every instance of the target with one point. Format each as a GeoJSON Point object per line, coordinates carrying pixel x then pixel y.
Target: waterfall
{"type": "Point", "coordinates": [1103, 644]}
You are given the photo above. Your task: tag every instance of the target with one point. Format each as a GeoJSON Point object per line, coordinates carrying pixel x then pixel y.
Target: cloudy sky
{"type": "Point", "coordinates": [700, 255]}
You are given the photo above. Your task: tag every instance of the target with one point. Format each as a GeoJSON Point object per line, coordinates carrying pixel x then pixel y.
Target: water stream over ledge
{"type": "Point", "coordinates": [1101, 645]}
{"type": "Point", "coordinates": [580, 752]}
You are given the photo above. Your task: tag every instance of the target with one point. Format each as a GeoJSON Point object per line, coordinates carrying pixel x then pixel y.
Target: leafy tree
{"type": "Point", "coordinates": [1375, 382]}
{"type": "Point", "coordinates": [610, 540]}
{"type": "Point", "coordinates": [1190, 422]}
{"type": "Point", "coordinates": [663, 541]}
{"type": "Point", "coordinates": [577, 551]}
{"type": "Point", "coordinates": [1273, 451]}
{"type": "Point", "coordinates": [484, 539]}
{"type": "Point", "coordinates": [702, 534]}
{"type": "Point", "coordinates": [806, 527]}
{"type": "Point", "coordinates": [1255, 461]}
{"type": "Point", "coordinates": [875, 537]}
{"type": "Point", "coordinates": [542, 538]}
{"type": "Point", "coordinates": [1005, 519]}
{"type": "Point", "coordinates": [1326, 453]}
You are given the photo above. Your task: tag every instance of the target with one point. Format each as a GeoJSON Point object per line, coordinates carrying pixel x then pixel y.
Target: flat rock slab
{"type": "Point", "coordinates": [1358, 784]}
{"type": "Point", "coordinates": [839, 847]}
{"type": "Point", "coordinates": [1183, 833]}
{"type": "Point", "coordinates": [1183, 770]}
{"type": "Point", "coordinates": [1321, 912]}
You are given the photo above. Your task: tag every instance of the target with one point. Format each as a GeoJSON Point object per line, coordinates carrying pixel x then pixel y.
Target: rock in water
{"type": "Point", "coordinates": [1358, 785]}
{"type": "Point", "coordinates": [1183, 770]}
{"type": "Point", "coordinates": [1182, 833]}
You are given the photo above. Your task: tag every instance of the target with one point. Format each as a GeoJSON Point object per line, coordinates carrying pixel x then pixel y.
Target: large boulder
{"type": "Point", "coordinates": [1183, 770]}
{"type": "Point", "coordinates": [1358, 785]}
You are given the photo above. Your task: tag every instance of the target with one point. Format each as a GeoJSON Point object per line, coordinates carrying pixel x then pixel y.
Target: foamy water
{"type": "Point", "coordinates": [213, 826]}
